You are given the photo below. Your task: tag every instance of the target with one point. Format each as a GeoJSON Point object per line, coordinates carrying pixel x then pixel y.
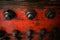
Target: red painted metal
{"type": "Point", "coordinates": [20, 22]}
